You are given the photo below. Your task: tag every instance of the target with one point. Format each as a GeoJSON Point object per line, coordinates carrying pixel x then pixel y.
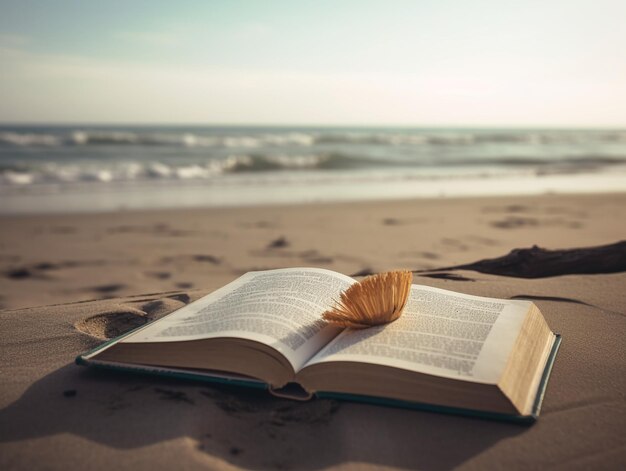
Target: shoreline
{"type": "Point", "coordinates": [279, 190]}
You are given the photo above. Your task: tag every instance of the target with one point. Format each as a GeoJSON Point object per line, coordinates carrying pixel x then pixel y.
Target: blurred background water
{"type": "Point", "coordinates": [37, 161]}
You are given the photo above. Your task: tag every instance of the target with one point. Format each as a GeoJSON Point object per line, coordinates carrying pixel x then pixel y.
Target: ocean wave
{"type": "Point", "coordinates": [150, 139]}
{"type": "Point", "coordinates": [103, 171]}
{"type": "Point", "coordinates": [126, 138]}
{"type": "Point", "coordinates": [29, 139]}
{"type": "Point", "coordinates": [54, 172]}
{"type": "Point", "coordinates": [327, 163]}
{"type": "Point", "coordinates": [323, 161]}
{"type": "Point", "coordinates": [308, 138]}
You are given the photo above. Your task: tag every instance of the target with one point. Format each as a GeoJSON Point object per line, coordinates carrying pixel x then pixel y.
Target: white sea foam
{"type": "Point", "coordinates": [158, 170]}
{"type": "Point", "coordinates": [233, 138]}
{"type": "Point", "coordinates": [17, 178]}
{"type": "Point", "coordinates": [29, 139]}
{"type": "Point", "coordinates": [330, 165]}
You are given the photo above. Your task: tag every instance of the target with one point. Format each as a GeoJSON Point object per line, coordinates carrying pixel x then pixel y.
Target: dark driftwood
{"type": "Point", "coordinates": [536, 262]}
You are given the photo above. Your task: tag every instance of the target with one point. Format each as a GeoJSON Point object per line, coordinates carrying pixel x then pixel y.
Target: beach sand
{"type": "Point", "coordinates": [71, 281]}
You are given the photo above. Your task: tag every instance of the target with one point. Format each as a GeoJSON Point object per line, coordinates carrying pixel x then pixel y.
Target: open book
{"type": "Point", "coordinates": [448, 351]}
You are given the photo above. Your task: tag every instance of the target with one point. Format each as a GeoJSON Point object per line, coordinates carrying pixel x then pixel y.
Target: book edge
{"type": "Point", "coordinates": [521, 419]}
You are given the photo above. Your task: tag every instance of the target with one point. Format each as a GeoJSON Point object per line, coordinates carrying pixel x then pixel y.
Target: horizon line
{"type": "Point", "coordinates": [315, 125]}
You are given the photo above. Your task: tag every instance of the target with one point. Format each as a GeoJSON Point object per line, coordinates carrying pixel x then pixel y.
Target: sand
{"type": "Point", "coordinates": [71, 281]}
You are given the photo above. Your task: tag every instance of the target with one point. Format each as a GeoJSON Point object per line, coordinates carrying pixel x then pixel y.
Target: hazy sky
{"type": "Point", "coordinates": [390, 62]}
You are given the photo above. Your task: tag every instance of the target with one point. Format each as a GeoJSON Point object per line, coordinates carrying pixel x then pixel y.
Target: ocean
{"type": "Point", "coordinates": [101, 168]}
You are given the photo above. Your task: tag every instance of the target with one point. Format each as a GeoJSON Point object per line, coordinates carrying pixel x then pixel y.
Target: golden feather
{"type": "Point", "coordinates": [375, 300]}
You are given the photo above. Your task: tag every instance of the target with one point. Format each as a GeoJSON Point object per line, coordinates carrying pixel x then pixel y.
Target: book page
{"type": "Point", "coordinates": [280, 308]}
{"type": "Point", "coordinates": [441, 333]}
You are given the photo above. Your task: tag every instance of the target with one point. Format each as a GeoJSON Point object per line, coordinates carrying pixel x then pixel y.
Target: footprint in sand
{"type": "Point", "coordinates": [405, 221]}
{"type": "Point", "coordinates": [212, 259]}
{"type": "Point", "coordinates": [113, 323]}
{"type": "Point", "coordinates": [159, 275]}
{"type": "Point", "coordinates": [313, 256]}
{"type": "Point", "coordinates": [278, 243]}
{"type": "Point", "coordinates": [38, 270]}
{"type": "Point", "coordinates": [109, 325]}
{"type": "Point", "coordinates": [513, 222]}
{"type": "Point", "coordinates": [512, 208]}
{"type": "Point", "coordinates": [184, 284]}
{"type": "Point", "coordinates": [391, 222]}
{"type": "Point", "coordinates": [19, 273]}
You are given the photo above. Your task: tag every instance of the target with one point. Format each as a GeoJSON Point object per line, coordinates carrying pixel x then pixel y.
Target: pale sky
{"type": "Point", "coordinates": [392, 62]}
